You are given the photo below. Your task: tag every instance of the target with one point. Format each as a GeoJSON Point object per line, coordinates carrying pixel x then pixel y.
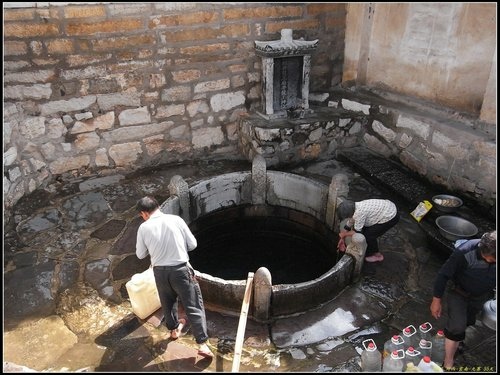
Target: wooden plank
{"type": "Point", "coordinates": [240, 334]}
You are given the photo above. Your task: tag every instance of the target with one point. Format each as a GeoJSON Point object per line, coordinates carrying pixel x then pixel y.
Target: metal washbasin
{"type": "Point", "coordinates": [454, 228]}
{"type": "Point", "coordinates": [447, 203]}
{"type": "Point", "coordinates": [489, 314]}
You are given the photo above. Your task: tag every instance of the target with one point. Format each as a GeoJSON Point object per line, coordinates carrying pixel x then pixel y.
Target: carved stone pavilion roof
{"type": "Point", "coordinates": [286, 46]}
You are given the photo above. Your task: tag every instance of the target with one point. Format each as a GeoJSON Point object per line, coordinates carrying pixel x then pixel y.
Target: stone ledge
{"type": "Point", "coordinates": [408, 190]}
{"type": "Point", "coordinates": [416, 107]}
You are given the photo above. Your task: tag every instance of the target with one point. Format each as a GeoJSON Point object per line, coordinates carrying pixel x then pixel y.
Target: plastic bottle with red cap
{"type": "Point", "coordinates": [413, 356]}
{"type": "Point", "coordinates": [394, 362]}
{"type": "Point", "coordinates": [438, 347]}
{"type": "Point", "coordinates": [424, 331]}
{"type": "Point", "coordinates": [371, 358]}
{"type": "Point", "coordinates": [396, 342]}
{"type": "Point", "coordinates": [427, 365]}
{"type": "Point", "coordinates": [410, 337]}
{"type": "Point", "coordinates": [425, 348]}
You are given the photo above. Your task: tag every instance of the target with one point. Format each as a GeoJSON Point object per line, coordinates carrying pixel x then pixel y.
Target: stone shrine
{"type": "Point", "coordinates": [286, 65]}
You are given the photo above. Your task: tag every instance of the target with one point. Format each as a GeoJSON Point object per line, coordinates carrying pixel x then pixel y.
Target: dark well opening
{"type": "Point", "coordinates": [294, 246]}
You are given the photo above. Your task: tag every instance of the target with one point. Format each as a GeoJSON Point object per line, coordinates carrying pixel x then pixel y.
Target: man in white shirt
{"type": "Point", "coordinates": [167, 239]}
{"type": "Point", "coordinates": [370, 217]}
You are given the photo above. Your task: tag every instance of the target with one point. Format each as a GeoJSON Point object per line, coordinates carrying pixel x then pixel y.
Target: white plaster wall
{"type": "Point", "coordinates": [441, 52]}
{"type": "Point", "coordinates": [354, 29]}
{"type": "Point", "coordinates": [489, 108]}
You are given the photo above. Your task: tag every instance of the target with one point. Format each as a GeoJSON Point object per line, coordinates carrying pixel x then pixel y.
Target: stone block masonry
{"type": "Point", "coordinates": [289, 141]}
{"type": "Point", "coordinates": [451, 152]}
{"type": "Point", "coordinates": [95, 89]}
{"type": "Point", "coordinates": [101, 89]}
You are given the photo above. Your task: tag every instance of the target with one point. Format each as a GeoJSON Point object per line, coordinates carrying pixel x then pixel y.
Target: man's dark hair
{"type": "Point", "coordinates": [488, 243]}
{"type": "Point", "coordinates": [147, 204]}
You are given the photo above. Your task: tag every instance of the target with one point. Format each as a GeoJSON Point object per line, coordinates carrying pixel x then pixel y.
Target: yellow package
{"type": "Point", "coordinates": [421, 210]}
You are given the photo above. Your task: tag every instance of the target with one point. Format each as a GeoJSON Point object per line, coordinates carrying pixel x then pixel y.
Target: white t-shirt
{"type": "Point", "coordinates": [166, 238]}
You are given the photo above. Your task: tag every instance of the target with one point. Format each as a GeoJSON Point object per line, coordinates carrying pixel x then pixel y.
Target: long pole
{"type": "Point", "coordinates": [240, 335]}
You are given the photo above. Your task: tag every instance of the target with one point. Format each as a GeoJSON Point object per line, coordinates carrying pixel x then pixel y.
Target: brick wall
{"type": "Point", "coordinates": [99, 88]}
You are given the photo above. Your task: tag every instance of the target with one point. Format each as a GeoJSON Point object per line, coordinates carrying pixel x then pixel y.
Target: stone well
{"type": "Point", "coordinates": [303, 203]}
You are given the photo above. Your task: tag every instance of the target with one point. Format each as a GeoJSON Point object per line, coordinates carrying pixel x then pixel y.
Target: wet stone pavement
{"type": "Point", "coordinates": [69, 250]}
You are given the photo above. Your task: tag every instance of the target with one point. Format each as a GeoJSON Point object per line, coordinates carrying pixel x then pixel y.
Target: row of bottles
{"type": "Point", "coordinates": [412, 351]}
{"type": "Point", "coordinates": [397, 361]}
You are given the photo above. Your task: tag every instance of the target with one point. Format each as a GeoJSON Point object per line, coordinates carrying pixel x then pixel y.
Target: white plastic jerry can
{"type": "Point", "coordinates": [143, 294]}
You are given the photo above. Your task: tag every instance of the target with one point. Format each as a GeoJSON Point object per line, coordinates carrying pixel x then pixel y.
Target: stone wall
{"type": "Point", "coordinates": [449, 149]}
{"type": "Point", "coordinates": [291, 141]}
{"type": "Point", "coordinates": [102, 88]}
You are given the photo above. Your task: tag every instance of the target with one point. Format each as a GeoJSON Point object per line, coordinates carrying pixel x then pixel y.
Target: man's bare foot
{"type": "Point", "coordinates": [377, 257]}
{"type": "Point", "coordinates": [205, 351]}
{"type": "Point", "coordinates": [176, 333]}
{"type": "Point", "coordinates": [447, 367]}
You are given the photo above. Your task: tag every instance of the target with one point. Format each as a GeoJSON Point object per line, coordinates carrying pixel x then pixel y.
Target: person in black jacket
{"type": "Point", "coordinates": [471, 280]}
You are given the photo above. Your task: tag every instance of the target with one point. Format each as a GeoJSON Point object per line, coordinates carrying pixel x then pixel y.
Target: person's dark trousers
{"type": "Point", "coordinates": [180, 281]}
{"type": "Point", "coordinates": [373, 232]}
{"type": "Point", "coordinates": [461, 312]}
